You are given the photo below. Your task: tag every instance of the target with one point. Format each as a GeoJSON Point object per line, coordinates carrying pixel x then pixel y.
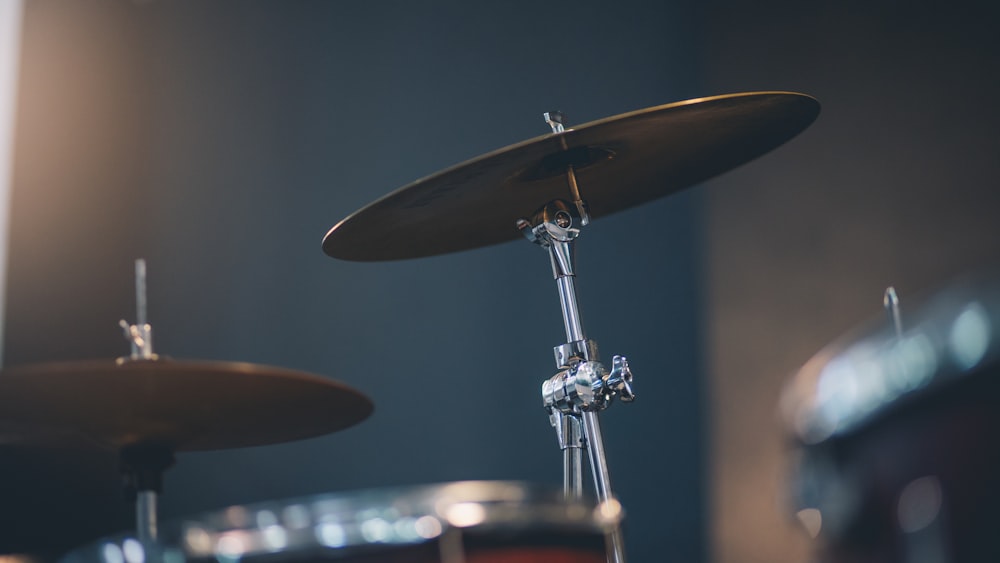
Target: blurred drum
{"type": "Point", "coordinates": [463, 522]}
{"type": "Point", "coordinates": [898, 435]}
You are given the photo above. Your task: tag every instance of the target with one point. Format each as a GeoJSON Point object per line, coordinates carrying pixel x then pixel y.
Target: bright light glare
{"type": "Point", "coordinates": [275, 537]}
{"type": "Point", "coordinates": [466, 514]}
{"type": "Point", "coordinates": [610, 510]}
{"type": "Point", "coordinates": [112, 553]}
{"type": "Point", "coordinates": [405, 529]}
{"type": "Point", "coordinates": [376, 530]}
{"type": "Point", "coordinates": [134, 553]}
{"type": "Point", "coordinates": [970, 336]}
{"type": "Point", "coordinates": [10, 52]}
{"type": "Point", "coordinates": [230, 546]}
{"type": "Point", "coordinates": [331, 535]}
{"type": "Point", "coordinates": [198, 540]}
{"type": "Point", "coordinates": [812, 521]}
{"type": "Point", "coordinates": [427, 527]}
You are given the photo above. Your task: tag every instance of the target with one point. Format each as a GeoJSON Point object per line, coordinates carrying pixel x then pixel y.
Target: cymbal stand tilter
{"type": "Point", "coordinates": [143, 464]}
{"type": "Point", "coordinates": [583, 386]}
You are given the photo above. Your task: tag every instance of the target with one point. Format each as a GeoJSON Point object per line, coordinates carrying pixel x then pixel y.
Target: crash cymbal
{"type": "Point", "coordinates": [182, 405]}
{"type": "Point", "coordinates": [619, 162]}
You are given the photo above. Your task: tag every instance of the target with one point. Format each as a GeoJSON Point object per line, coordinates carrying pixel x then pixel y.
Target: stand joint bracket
{"type": "Point", "coordinates": [569, 430]}
{"type": "Point", "coordinates": [588, 386]}
{"type": "Point", "coordinates": [552, 223]}
{"type": "Point", "coordinates": [572, 352]}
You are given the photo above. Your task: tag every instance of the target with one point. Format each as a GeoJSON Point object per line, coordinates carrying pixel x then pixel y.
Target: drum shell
{"type": "Point", "coordinates": [896, 433]}
{"type": "Point", "coordinates": [465, 522]}
{"type": "Point", "coordinates": [949, 435]}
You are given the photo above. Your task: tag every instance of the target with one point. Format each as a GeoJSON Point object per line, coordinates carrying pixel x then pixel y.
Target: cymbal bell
{"type": "Point", "coordinates": [619, 162]}
{"type": "Point", "coordinates": [182, 405]}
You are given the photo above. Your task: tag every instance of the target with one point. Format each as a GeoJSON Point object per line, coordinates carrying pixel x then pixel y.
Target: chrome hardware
{"type": "Point", "coordinates": [551, 227]}
{"type": "Point", "coordinates": [569, 432]}
{"type": "Point", "coordinates": [546, 233]}
{"type": "Point", "coordinates": [891, 304]}
{"type": "Point", "coordinates": [619, 381]}
{"type": "Point", "coordinates": [575, 388]}
{"type": "Point", "coordinates": [550, 224]}
{"type": "Point", "coordinates": [587, 386]}
{"type": "Point", "coordinates": [572, 352]}
{"type": "Point", "coordinates": [140, 337]}
{"type": "Point", "coordinates": [555, 119]}
{"type": "Point", "coordinates": [140, 334]}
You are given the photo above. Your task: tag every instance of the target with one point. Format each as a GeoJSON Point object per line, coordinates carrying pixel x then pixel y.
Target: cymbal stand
{"type": "Point", "coordinates": [143, 464]}
{"type": "Point", "coordinates": [583, 386]}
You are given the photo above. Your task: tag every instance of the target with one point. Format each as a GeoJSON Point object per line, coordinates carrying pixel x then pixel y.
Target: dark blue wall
{"type": "Point", "coordinates": [226, 138]}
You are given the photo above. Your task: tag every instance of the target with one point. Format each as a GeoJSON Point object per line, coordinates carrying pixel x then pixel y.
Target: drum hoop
{"type": "Point", "coordinates": [370, 519]}
{"type": "Point", "coordinates": [869, 372]}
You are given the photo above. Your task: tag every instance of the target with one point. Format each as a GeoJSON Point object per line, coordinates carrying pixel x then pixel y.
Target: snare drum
{"type": "Point", "coordinates": [898, 435]}
{"type": "Point", "coordinates": [463, 522]}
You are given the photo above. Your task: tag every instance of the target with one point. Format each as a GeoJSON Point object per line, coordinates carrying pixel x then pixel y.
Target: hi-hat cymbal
{"type": "Point", "coordinates": [182, 405]}
{"type": "Point", "coordinates": [619, 162]}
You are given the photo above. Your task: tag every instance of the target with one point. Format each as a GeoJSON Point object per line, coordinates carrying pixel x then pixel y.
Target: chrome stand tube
{"type": "Point", "coordinates": [143, 466]}
{"type": "Point", "coordinates": [598, 463]}
{"type": "Point", "coordinates": [561, 252]}
{"type": "Point", "coordinates": [573, 472]}
{"type": "Point", "coordinates": [145, 516]}
{"type": "Point", "coordinates": [571, 315]}
{"type": "Point", "coordinates": [569, 430]}
{"type": "Point", "coordinates": [602, 481]}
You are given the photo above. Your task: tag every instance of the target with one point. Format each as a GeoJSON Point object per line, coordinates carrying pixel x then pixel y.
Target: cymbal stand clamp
{"type": "Point", "coordinates": [587, 386]}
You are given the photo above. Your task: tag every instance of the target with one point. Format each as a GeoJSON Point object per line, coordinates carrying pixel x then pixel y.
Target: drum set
{"type": "Point", "coordinates": [896, 427]}
{"type": "Point", "coordinates": [146, 407]}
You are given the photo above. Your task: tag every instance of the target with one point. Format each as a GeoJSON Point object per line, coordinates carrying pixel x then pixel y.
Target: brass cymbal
{"type": "Point", "coordinates": [619, 162]}
{"type": "Point", "coordinates": [183, 405]}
